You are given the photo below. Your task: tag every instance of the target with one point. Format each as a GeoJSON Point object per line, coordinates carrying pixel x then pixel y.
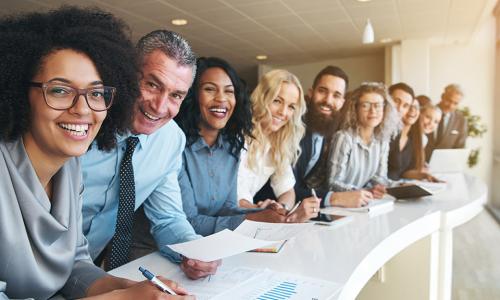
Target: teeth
{"type": "Point", "coordinates": [150, 116]}
{"type": "Point", "coordinates": [79, 128]}
{"type": "Point", "coordinates": [218, 110]}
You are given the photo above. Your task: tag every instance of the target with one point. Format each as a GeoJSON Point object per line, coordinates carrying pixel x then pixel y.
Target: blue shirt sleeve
{"type": "Point", "coordinates": [163, 208]}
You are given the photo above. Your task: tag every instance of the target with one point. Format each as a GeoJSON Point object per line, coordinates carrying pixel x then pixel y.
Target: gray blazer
{"type": "Point", "coordinates": [42, 248]}
{"type": "Point", "coordinates": [454, 135]}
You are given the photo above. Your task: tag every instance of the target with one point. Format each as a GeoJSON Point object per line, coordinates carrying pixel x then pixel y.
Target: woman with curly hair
{"type": "Point", "coordinates": [278, 106]}
{"type": "Point", "coordinates": [358, 156]}
{"type": "Point", "coordinates": [63, 83]}
{"type": "Point", "coordinates": [215, 116]}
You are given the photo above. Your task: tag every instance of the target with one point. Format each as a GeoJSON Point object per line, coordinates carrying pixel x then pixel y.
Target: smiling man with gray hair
{"type": "Point", "coordinates": [452, 130]}
{"type": "Point", "coordinates": [142, 170]}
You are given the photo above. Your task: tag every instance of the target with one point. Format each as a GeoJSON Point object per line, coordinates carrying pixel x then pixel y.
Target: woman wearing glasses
{"type": "Point", "coordinates": [358, 156]}
{"type": "Point", "coordinates": [61, 86]}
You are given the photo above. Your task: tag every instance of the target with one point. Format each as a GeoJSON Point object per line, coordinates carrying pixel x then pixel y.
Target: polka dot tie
{"type": "Point", "coordinates": [120, 244]}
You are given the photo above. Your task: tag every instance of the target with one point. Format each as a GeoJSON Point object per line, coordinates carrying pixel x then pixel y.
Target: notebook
{"type": "Point", "coordinates": [408, 191]}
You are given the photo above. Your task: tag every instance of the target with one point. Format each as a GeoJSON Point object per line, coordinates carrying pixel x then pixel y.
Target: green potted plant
{"type": "Point", "coordinates": [476, 129]}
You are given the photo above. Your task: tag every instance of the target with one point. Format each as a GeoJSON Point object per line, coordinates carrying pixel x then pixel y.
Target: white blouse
{"type": "Point", "coordinates": [251, 181]}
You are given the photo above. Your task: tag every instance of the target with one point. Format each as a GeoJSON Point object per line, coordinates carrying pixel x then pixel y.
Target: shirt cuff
{"type": "Point", "coordinates": [82, 277]}
{"type": "Point", "coordinates": [326, 200]}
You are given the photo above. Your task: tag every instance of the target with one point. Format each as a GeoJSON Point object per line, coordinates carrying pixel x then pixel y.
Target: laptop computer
{"type": "Point", "coordinates": [449, 160]}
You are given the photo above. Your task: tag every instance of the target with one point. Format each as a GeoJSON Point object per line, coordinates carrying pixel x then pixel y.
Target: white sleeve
{"type": "Point", "coordinates": [284, 182]}
{"type": "Point", "coordinates": [246, 179]}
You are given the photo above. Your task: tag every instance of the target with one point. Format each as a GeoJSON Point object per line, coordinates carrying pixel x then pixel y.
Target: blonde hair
{"type": "Point", "coordinates": [285, 143]}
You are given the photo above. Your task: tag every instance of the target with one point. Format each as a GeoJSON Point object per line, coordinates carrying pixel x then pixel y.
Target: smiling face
{"type": "Point", "coordinates": [370, 110]}
{"type": "Point", "coordinates": [412, 115]}
{"type": "Point", "coordinates": [429, 119]}
{"type": "Point", "coordinates": [328, 95]}
{"type": "Point", "coordinates": [216, 99]}
{"type": "Point", "coordinates": [164, 85]}
{"type": "Point", "coordinates": [402, 101]}
{"type": "Point", "coordinates": [282, 107]}
{"type": "Point", "coordinates": [63, 133]}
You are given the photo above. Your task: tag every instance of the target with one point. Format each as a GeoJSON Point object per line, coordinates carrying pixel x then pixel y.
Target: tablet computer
{"type": "Point", "coordinates": [448, 160]}
{"type": "Point", "coordinates": [408, 191]}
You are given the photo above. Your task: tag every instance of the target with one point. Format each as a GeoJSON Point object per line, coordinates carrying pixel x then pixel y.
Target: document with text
{"type": "Point", "coordinates": [222, 244]}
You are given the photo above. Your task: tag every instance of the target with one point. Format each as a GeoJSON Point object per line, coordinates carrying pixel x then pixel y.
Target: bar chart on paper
{"type": "Point", "coordinates": [284, 290]}
{"type": "Point", "coordinates": [270, 285]}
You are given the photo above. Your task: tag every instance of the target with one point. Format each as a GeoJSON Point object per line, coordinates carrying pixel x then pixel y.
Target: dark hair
{"type": "Point", "coordinates": [27, 39]}
{"type": "Point", "coordinates": [401, 86]}
{"type": "Point", "coordinates": [415, 135]}
{"type": "Point", "coordinates": [239, 124]}
{"type": "Point", "coordinates": [334, 71]}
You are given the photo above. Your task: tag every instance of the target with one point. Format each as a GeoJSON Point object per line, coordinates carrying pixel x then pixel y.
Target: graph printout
{"type": "Point", "coordinates": [270, 285]}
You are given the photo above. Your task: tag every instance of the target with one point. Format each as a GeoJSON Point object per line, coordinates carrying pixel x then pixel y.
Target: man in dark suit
{"type": "Point", "coordinates": [324, 101]}
{"type": "Point", "coordinates": [452, 130]}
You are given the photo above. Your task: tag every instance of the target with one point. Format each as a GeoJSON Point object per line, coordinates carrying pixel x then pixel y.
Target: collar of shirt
{"type": "Point", "coordinates": [358, 140]}
{"type": "Point", "coordinates": [201, 144]}
{"type": "Point", "coordinates": [143, 139]}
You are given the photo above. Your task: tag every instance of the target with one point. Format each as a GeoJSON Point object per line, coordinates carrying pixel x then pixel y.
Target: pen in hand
{"type": "Point", "coordinates": [313, 192]}
{"type": "Point", "coordinates": [294, 208]}
{"type": "Point", "coordinates": [157, 282]}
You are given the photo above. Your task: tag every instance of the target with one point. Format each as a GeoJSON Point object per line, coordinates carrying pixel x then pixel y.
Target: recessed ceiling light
{"type": "Point", "coordinates": [179, 22]}
{"type": "Point", "coordinates": [386, 40]}
{"type": "Point", "coordinates": [364, 0]}
{"type": "Point", "coordinates": [261, 57]}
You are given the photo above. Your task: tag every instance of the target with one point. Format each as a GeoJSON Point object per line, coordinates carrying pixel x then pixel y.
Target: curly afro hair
{"type": "Point", "coordinates": [25, 40]}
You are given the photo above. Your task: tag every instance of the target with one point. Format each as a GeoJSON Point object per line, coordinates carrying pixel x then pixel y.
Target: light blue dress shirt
{"type": "Point", "coordinates": [157, 162]}
{"type": "Point", "coordinates": [208, 183]}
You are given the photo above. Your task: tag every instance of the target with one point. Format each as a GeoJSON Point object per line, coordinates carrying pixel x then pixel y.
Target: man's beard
{"type": "Point", "coordinates": [320, 123]}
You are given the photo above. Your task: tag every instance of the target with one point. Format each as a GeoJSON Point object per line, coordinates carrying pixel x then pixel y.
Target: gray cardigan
{"type": "Point", "coordinates": [42, 248]}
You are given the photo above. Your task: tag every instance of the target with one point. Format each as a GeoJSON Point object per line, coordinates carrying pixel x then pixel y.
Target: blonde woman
{"type": "Point", "coordinates": [277, 105]}
{"type": "Point", "coordinates": [430, 116]}
{"type": "Point", "coordinates": [358, 156]}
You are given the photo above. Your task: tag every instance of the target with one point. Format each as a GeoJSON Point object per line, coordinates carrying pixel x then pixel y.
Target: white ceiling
{"type": "Point", "coordinates": [287, 31]}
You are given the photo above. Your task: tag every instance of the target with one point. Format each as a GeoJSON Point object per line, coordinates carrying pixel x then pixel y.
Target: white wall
{"type": "Point", "coordinates": [358, 68]}
{"type": "Point", "coordinates": [472, 66]}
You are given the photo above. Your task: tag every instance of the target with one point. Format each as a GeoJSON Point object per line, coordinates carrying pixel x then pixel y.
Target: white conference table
{"type": "Point", "coordinates": [409, 248]}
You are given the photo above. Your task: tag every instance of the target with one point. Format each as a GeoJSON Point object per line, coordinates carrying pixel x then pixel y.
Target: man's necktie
{"type": "Point", "coordinates": [440, 132]}
{"type": "Point", "coordinates": [120, 244]}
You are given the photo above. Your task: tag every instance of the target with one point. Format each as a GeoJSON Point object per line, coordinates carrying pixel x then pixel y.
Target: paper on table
{"type": "Point", "coordinates": [271, 231]}
{"type": "Point", "coordinates": [223, 244]}
{"type": "Point", "coordinates": [375, 206]}
{"type": "Point", "coordinates": [209, 287]}
{"type": "Point", "coordinates": [276, 285]}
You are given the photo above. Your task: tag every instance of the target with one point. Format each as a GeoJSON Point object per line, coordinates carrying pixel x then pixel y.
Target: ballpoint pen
{"type": "Point", "coordinates": [157, 282]}
{"type": "Point", "coordinates": [314, 193]}
{"type": "Point", "coordinates": [294, 208]}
